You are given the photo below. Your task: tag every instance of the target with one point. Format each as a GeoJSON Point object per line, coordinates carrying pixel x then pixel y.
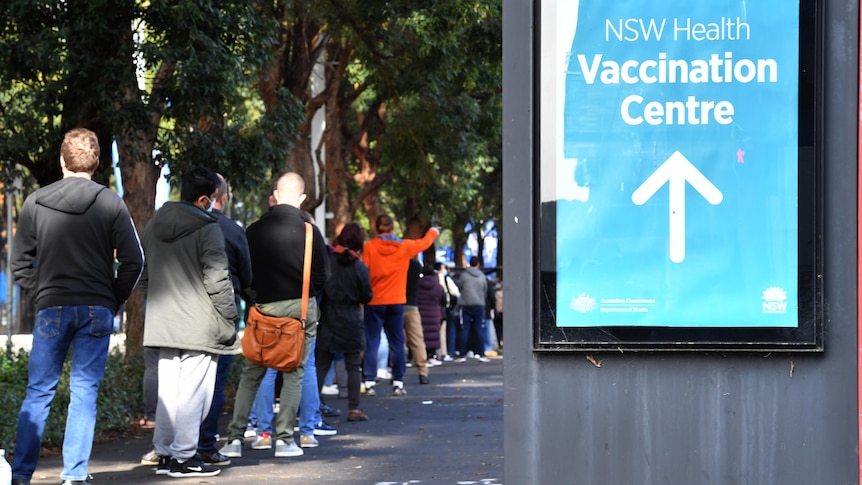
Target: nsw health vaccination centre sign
{"type": "Point", "coordinates": [669, 147]}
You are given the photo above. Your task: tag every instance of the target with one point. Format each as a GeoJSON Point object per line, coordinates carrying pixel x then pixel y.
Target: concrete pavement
{"type": "Point", "coordinates": [448, 432]}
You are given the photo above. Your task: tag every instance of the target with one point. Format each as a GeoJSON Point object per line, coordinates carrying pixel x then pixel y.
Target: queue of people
{"type": "Point", "coordinates": [195, 267]}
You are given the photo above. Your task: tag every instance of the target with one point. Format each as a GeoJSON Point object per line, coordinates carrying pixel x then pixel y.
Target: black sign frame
{"type": "Point", "coordinates": [807, 337]}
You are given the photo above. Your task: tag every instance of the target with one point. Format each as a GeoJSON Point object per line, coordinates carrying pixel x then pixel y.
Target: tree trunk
{"type": "Point", "coordinates": [139, 180]}
{"type": "Point", "coordinates": [337, 195]}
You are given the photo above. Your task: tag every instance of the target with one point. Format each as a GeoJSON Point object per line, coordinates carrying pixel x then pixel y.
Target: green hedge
{"type": "Point", "coordinates": [120, 402]}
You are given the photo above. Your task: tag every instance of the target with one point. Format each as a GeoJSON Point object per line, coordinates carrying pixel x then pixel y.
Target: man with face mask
{"type": "Point", "coordinates": [190, 315]}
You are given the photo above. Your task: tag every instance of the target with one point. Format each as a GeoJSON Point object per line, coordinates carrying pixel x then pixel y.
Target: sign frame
{"type": "Point", "coordinates": [807, 336]}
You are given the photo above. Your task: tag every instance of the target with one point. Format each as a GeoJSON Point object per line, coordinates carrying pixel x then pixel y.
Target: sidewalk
{"type": "Point", "coordinates": [448, 432]}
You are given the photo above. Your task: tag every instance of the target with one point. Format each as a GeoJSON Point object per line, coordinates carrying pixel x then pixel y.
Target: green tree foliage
{"type": "Point", "coordinates": [412, 93]}
{"type": "Point", "coordinates": [174, 76]}
{"type": "Point", "coordinates": [412, 98]}
{"type": "Point", "coordinates": [444, 131]}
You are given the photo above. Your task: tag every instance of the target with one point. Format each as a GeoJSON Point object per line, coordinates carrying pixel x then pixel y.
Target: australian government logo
{"type": "Point", "coordinates": [774, 300]}
{"type": "Point", "coordinates": [583, 303]}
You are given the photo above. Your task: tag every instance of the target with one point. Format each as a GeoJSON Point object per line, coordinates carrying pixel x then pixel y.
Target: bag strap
{"type": "Point", "coordinates": [306, 272]}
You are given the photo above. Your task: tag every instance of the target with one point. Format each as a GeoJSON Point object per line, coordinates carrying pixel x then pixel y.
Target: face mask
{"type": "Point", "coordinates": [212, 204]}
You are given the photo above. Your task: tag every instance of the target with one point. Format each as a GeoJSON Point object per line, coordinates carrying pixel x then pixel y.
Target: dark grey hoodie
{"type": "Point", "coordinates": [63, 251]}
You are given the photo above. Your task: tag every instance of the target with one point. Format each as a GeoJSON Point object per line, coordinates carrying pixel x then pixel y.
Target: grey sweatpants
{"type": "Point", "coordinates": [186, 384]}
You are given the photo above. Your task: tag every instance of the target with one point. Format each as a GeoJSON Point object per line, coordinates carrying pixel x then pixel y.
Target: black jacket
{"type": "Point", "coordinates": [238, 259]}
{"type": "Point", "coordinates": [276, 243]}
{"type": "Point", "coordinates": [414, 271]}
{"type": "Point", "coordinates": [63, 251]}
{"type": "Point", "coordinates": [342, 328]}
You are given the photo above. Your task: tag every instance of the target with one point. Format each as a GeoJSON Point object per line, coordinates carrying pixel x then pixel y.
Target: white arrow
{"type": "Point", "coordinates": [676, 171]}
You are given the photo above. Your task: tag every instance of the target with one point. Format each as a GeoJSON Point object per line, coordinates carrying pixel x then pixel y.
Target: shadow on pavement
{"type": "Point", "coordinates": [450, 431]}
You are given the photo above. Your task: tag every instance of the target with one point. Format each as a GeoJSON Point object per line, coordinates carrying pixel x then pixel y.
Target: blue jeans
{"type": "Point", "coordinates": [309, 402]}
{"type": "Point", "coordinates": [472, 319]}
{"type": "Point", "coordinates": [87, 329]}
{"type": "Point", "coordinates": [451, 331]}
{"type": "Point", "coordinates": [383, 351]}
{"type": "Point", "coordinates": [391, 319]}
{"type": "Point", "coordinates": [263, 401]}
{"type": "Point", "coordinates": [209, 427]}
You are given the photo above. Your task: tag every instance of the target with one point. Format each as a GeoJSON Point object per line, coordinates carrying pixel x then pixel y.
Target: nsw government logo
{"type": "Point", "coordinates": [584, 303]}
{"type": "Point", "coordinates": [774, 300]}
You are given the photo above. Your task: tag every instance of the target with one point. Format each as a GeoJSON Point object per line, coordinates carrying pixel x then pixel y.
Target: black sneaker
{"type": "Point", "coordinates": [192, 468]}
{"type": "Point", "coordinates": [213, 458]}
{"type": "Point", "coordinates": [329, 412]}
{"type": "Point", "coordinates": [164, 465]}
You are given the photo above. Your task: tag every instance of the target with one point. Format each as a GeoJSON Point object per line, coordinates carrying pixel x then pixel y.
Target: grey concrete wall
{"type": "Point", "coordinates": [683, 418]}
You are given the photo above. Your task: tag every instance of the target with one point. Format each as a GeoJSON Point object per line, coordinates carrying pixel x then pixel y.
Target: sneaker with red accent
{"type": "Point", "coordinates": [262, 442]}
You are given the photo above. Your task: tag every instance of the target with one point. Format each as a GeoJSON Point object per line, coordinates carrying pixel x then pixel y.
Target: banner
{"type": "Point", "coordinates": [669, 145]}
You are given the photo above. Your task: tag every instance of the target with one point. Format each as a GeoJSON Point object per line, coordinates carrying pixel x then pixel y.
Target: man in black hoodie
{"type": "Point", "coordinates": [63, 256]}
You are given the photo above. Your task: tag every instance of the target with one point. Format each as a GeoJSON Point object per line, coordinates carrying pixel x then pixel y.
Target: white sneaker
{"type": "Point", "coordinates": [384, 374]}
{"type": "Point", "coordinates": [368, 388]}
{"type": "Point", "coordinates": [283, 449]}
{"type": "Point", "coordinates": [432, 362]}
{"type": "Point", "coordinates": [329, 390]}
{"type": "Point", "coordinates": [447, 358]}
{"type": "Point", "coordinates": [233, 449]}
{"type": "Point", "coordinates": [250, 430]}
{"type": "Point", "coordinates": [482, 358]}
{"type": "Point", "coordinates": [470, 354]}
{"type": "Point", "coordinates": [460, 360]}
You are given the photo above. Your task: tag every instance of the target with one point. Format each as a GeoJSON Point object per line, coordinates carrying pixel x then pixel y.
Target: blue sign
{"type": "Point", "coordinates": [674, 161]}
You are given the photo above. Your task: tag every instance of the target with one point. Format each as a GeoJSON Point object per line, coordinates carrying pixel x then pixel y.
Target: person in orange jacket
{"type": "Point", "coordinates": [388, 258]}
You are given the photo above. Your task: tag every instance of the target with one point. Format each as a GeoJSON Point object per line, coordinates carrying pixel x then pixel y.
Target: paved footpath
{"type": "Point", "coordinates": [448, 432]}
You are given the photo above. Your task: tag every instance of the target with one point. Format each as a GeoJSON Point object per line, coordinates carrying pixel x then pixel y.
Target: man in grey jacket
{"type": "Point", "coordinates": [190, 316]}
{"type": "Point", "coordinates": [474, 285]}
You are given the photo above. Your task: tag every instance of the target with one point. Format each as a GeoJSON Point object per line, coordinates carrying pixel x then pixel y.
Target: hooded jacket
{"type": "Point", "coordinates": [387, 262]}
{"type": "Point", "coordinates": [474, 286]}
{"type": "Point", "coordinates": [190, 300]}
{"type": "Point", "coordinates": [63, 251]}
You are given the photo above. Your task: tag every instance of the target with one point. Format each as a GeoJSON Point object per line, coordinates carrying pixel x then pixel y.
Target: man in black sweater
{"type": "Point", "coordinates": [63, 256]}
{"type": "Point", "coordinates": [276, 243]}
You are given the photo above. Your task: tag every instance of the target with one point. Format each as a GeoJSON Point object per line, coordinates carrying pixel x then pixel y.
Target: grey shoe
{"type": "Point", "coordinates": [399, 391]}
{"type": "Point", "coordinates": [233, 449]}
{"type": "Point", "coordinates": [151, 458]}
{"type": "Point", "coordinates": [308, 441]}
{"type": "Point", "coordinates": [283, 449]}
